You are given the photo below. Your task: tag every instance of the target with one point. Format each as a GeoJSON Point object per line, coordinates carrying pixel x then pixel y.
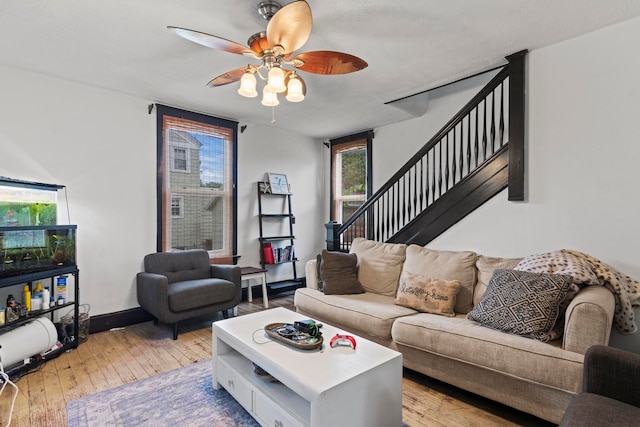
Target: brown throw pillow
{"type": "Point", "coordinates": [338, 273]}
{"type": "Point", "coordinates": [426, 294]}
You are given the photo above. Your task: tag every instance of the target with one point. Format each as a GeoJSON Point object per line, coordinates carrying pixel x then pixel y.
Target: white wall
{"type": "Point", "coordinates": [583, 153]}
{"type": "Point", "coordinates": [266, 148]}
{"type": "Point", "coordinates": [102, 146]}
{"type": "Point", "coordinates": [393, 145]}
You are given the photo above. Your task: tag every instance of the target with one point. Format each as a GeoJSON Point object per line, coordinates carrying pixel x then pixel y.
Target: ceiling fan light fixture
{"type": "Point", "coordinates": [248, 85]}
{"type": "Point", "coordinates": [275, 80]}
{"type": "Point", "coordinates": [294, 89]}
{"type": "Point", "coordinates": [288, 30]}
{"type": "Point", "coordinates": [269, 98]}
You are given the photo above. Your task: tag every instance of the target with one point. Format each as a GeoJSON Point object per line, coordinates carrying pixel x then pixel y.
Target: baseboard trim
{"type": "Point", "coordinates": [124, 318]}
{"type": "Point", "coordinates": [119, 319]}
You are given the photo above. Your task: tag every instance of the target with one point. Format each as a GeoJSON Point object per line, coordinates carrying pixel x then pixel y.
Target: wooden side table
{"type": "Point", "coordinates": [249, 273]}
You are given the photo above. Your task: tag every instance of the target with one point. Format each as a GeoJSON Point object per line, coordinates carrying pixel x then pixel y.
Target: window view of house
{"type": "Point", "coordinates": [198, 205]}
{"type": "Point", "coordinates": [351, 181]}
{"type": "Point", "coordinates": [350, 166]}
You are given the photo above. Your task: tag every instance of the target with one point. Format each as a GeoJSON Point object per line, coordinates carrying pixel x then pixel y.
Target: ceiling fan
{"type": "Point", "coordinates": [288, 29]}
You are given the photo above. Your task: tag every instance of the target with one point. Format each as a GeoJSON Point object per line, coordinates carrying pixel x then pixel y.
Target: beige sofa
{"type": "Point", "coordinates": [536, 377]}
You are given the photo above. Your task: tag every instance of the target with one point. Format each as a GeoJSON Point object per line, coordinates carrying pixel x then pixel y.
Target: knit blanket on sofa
{"type": "Point", "coordinates": [587, 270]}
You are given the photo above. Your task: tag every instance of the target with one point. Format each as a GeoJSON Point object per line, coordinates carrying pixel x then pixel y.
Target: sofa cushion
{"type": "Point", "coordinates": [379, 265]}
{"type": "Point", "coordinates": [370, 313]}
{"type": "Point", "coordinates": [192, 294]}
{"type": "Point", "coordinates": [486, 266]}
{"type": "Point", "coordinates": [338, 273]}
{"type": "Point", "coordinates": [522, 303]}
{"type": "Point", "coordinates": [426, 294]}
{"type": "Point", "coordinates": [461, 339]}
{"type": "Point", "coordinates": [445, 265]}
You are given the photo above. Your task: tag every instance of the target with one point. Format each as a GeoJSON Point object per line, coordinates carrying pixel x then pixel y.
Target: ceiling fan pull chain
{"type": "Point", "coordinates": [273, 114]}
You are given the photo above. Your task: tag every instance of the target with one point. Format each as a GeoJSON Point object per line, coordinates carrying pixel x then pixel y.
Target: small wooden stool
{"type": "Point", "coordinates": [249, 273]}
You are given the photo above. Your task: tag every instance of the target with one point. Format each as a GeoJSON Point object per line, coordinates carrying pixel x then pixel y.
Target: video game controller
{"type": "Point", "coordinates": [346, 340]}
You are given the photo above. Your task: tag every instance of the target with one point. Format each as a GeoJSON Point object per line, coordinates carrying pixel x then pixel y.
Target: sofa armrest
{"type": "Point", "coordinates": [588, 319]}
{"type": "Point", "coordinates": [613, 373]}
{"type": "Point", "coordinates": [311, 272]}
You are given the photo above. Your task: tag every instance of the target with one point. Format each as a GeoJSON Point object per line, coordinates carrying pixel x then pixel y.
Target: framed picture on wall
{"type": "Point", "coordinates": [278, 183]}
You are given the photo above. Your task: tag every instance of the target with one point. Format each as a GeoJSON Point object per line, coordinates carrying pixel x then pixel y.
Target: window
{"type": "Point", "coordinates": [177, 207]}
{"type": "Point", "coordinates": [181, 159]}
{"type": "Point", "coordinates": [197, 175]}
{"type": "Point", "coordinates": [350, 174]}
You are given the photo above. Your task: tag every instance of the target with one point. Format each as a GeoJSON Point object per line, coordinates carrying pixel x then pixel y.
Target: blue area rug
{"type": "Point", "coordinates": [183, 397]}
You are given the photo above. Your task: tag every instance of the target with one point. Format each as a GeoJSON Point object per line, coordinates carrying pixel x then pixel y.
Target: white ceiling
{"type": "Point", "coordinates": [410, 45]}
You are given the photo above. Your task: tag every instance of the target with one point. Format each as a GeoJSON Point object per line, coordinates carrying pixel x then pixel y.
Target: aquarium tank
{"type": "Point", "coordinates": [24, 206]}
{"type": "Point", "coordinates": [25, 250]}
{"type": "Point", "coordinates": [30, 238]}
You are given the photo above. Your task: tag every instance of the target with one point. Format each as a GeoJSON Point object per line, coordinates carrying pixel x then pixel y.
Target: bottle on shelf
{"type": "Point", "coordinates": [61, 289]}
{"type": "Point", "coordinates": [46, 296]}
{"type": "Point", "coordinates": [26, 297]}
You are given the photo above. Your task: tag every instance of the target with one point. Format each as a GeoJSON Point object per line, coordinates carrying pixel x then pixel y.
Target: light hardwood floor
{"type": "Point", "coordinates": [112, 358]}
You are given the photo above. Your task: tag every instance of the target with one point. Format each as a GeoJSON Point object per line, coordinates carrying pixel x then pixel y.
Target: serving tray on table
{"type": "Point", "coordinates": [293, 338]}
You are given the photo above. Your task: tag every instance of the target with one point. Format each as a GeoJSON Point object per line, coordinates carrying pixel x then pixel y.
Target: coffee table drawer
{"type": "Point", "coordinates": [235, 385]}
{"type": "Point", "coordinates": [271, 415]}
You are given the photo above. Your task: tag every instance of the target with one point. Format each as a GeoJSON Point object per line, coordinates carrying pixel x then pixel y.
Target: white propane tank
{"type": "Point", "coordinates": [27, 340]}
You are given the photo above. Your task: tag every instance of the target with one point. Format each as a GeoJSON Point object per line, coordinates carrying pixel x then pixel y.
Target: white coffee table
{"type": "Point", "coordinates": [326, 387]}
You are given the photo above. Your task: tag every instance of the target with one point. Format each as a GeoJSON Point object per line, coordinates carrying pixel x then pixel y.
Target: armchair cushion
{"type": "Point", "coordinates": [179, 266]}
{"type": "Point", "coordinates": [610, 395]}
{"type": "Point", "coordinates": [593, 410]}
{"type": "Point", "coordinates": [190, 294]}
{"type": "Point", "coordinates": [612, 372]}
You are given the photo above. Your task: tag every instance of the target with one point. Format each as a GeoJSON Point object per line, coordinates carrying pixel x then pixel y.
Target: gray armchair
{"type": "Point", "coordinates": [180, 285]}
{"type": "Point", "coordinates": [610, 392]}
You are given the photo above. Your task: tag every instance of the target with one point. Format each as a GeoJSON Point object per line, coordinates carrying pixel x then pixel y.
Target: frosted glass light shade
{"type": "Point", "coordinates": [269, 99]}
{"type": "Point", "coordinates": [248, 85]}
{"type": "Point", "coordinates": [276, 80]}
{"type": "Point", "coordinates": [294, 90]}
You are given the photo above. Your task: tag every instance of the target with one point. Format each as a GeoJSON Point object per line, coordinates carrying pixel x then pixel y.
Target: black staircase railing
{"type": "Point", "coordinates": [470, 139]}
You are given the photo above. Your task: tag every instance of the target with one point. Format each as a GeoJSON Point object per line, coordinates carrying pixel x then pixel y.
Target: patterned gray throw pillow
{"type": "Point", "coordinates": [522, 303]}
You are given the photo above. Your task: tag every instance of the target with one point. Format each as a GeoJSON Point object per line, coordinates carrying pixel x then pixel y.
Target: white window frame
{"type": "Point", "coordinates": [180, 200]}
{"type": "Point", "coordinates": [187, 159]}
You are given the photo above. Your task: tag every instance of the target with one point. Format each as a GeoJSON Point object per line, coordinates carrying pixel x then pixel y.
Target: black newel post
{"type": "Point", "coordinates": [333, 240]}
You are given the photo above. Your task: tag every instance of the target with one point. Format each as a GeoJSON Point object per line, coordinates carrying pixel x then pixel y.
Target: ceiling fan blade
{"type": "Point", "coordinates": [328, 62]}
{"type": "Point", "coordinates": [211, 41]}
{"type": "Point", "coordinates": [228, 77]}
{"type": "Point", "coordinates": [291, 26]}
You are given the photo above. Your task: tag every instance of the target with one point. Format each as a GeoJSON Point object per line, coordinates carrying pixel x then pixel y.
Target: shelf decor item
{"type": "Point", "coordinates": [278, 183]}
